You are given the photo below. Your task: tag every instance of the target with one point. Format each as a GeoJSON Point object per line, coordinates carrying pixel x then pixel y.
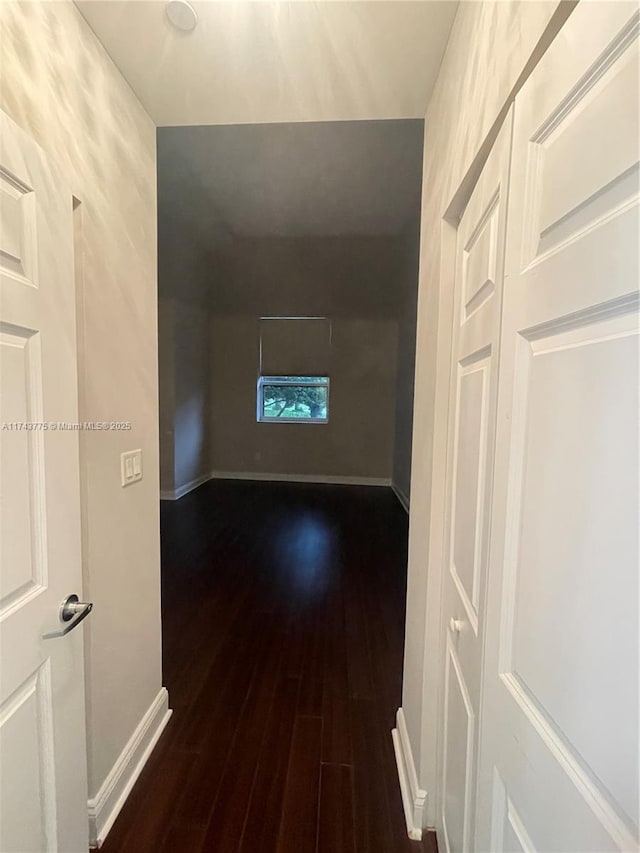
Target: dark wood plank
{"type": "Point", "coordinates": [336, 729]}
{"type": "Point", "coordinates": [283, 629]}
{"type": "Point", "coordinates": [298, 829]}
{"type": "Point", "coordinates": [373, 828]}
{"type": "Point", "coordinates": [429, 843]}
{"type": "Point", "coordinates": [216, 723]}
{"type": "Point", "coordinates": [162, 790]}
{"type": "Point", "coordinates": [264, 812]}
{"type": "Point", "coordinates": [311, 680]}
{"type": "Point", "coordinates": [336, 817]}
{"type": "Point", "coordinates": [336, 726]}
{"type": "Point", "coordinates": [184, 839]}
{"type": "Point", "coordinates": [227, 820]}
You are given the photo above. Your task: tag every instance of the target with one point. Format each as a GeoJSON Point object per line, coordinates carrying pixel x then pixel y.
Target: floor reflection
{"type": "Point", "coordinates": [306, 551]}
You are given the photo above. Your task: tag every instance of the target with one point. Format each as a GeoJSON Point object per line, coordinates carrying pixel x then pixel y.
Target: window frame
{"type": "Point", "coordinates": [289, 380]}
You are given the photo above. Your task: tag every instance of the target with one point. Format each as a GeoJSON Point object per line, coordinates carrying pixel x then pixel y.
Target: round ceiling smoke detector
{"type": "Point", "coordinates": [182, 15]}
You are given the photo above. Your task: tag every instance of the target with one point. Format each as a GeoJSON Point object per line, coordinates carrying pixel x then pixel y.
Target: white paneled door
{"type": "Point", "coordinates": [559, 762]}
{"type": "Point", "coordinates": [43, 774]}
{"type": "Point", "coordinates": [473, 394]}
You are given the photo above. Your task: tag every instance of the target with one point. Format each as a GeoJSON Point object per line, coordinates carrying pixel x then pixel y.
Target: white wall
{"type": "Point", "coordinates": [61, 87]}
{"type": "Point", "coordinates": [406, 362]}
{"type": "Point", "coordinates": [490, 45]}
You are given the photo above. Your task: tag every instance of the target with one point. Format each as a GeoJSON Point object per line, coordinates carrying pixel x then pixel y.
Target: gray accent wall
{"type": "Point", "coordinates": [222, 267]}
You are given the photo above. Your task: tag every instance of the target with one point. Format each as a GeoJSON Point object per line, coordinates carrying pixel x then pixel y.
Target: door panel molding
{"type": "Point", "coordinates": [478, 287]}
{"type": "Point", "coordinates": [44, 760]}
{"type": "Point", "coordinates": [559, 735]}
{"type": "Point", "coordinates": [453, 667]}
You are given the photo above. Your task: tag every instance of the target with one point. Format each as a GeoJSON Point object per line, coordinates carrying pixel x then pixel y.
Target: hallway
{"type": "Point", "coordinates": [283, 621]}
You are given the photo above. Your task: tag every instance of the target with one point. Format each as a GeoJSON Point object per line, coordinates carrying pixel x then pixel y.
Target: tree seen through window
{"type": "Point", "coordinates": [294, 397]}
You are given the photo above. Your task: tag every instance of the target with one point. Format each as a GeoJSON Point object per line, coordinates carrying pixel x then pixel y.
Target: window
{"type": "Point", "coordinates": [299, 399]}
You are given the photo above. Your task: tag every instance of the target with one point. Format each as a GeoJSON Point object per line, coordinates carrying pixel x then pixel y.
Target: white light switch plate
{"type": "Point", "coordinates": [130, 467]}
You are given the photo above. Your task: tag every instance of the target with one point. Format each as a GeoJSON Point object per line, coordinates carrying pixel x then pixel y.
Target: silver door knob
{"type": "Point", "coordinates": [455, 625]}
{"type": "Point", "coordinates": [72, 612]}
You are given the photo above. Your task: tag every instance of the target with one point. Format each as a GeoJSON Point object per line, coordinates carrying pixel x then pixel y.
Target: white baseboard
{"type": "Point", "coordinates": [105, 806]}
{"type": "Point", "coordinates": [302, 478]}
{"type": "Point", "coordinates": [414, 799]}
{"type": "Point", "coordinates": [321, 479]}
{"type": "Point", "coordinates": [402, 497]}
{"type": "Point", "coordinates": [185, 489]}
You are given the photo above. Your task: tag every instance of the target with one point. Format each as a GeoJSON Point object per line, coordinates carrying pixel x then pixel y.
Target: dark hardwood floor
{"type": "Point", "coordinates": [283, 623]}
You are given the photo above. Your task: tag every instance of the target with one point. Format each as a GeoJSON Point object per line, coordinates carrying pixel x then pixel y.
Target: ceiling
{"type": "Point", "coordinates": [301, 179]}
{"type": "Point", "coordinates": [261, 62]}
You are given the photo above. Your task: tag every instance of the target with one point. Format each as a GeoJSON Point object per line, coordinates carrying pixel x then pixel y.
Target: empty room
{"type": "Point", "coordinates": [320, 418]}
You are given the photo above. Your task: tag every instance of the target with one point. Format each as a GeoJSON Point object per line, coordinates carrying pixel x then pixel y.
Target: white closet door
{"type": "Point", "coordinates": [472, 407]}
{"type": "Point", "coordinates": [559, 744]}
